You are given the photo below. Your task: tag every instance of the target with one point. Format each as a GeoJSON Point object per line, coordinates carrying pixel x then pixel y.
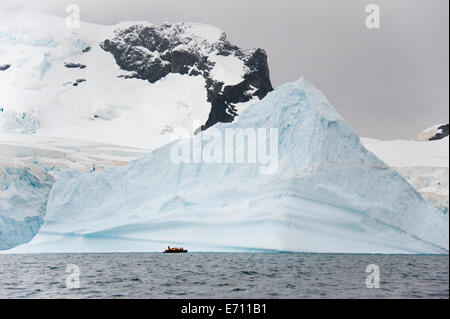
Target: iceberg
{"type": "Point", "coordinates": [328, 194]}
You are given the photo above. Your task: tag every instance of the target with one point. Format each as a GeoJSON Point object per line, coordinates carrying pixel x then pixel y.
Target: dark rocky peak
{"type": "Point", "coordinates": [4, 67]}
{"type": "Point", "coordinates": [435, 133]}
{"type": "Point", "coordinates": [151, 52]}
{"type": "Point", "coordinates": [442, 132]}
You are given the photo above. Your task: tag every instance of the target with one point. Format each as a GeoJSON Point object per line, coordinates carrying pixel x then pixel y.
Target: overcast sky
{"type": "Point", "coordinates": [387, 83]}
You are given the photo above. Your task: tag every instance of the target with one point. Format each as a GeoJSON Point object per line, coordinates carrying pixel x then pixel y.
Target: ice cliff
{"type": "Point", "coordinates": [23, 202]}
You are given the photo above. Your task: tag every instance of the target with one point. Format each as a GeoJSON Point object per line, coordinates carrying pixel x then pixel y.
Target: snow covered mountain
{"type": "Point", "coordinates": [232, 75]}
{"type": "Point", "coordinates": [329, 194]}
{"type": "Point", "coordinates": [132, 84]}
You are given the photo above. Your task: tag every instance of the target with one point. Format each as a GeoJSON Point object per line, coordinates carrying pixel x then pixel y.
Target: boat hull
{"type": "Point", "coordinates": [175, 252]}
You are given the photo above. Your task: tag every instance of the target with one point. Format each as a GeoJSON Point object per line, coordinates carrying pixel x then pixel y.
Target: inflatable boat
{"type": "Point", "coordinates": [170, 250]}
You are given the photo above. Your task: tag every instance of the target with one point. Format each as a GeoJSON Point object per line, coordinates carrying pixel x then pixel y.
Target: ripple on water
{"type": "Point", "coordinates": [218, 275]}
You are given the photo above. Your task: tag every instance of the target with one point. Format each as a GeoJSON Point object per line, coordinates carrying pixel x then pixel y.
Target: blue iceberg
{"type": "Point", "coordinates": [326, 193]}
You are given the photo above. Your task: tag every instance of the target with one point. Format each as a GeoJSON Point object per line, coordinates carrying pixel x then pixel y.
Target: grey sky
{"type": "Point", "coordinates": [387, 83]}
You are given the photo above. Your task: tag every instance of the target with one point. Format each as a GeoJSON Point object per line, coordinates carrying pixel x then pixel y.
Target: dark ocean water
{"type": "Point", "coordinates": [220, 275]}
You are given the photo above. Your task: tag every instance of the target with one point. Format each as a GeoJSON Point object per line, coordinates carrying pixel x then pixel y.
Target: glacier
{"type": "Point", "coordinates": [328, 195]}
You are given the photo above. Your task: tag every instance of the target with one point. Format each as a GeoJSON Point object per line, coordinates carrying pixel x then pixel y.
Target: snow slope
{"type": "Point", "coordinates": [423, 164]}
{"type": "Point", "coordinates": [55, 155]}
{"type": "Point", "coordinates": [329, 194]}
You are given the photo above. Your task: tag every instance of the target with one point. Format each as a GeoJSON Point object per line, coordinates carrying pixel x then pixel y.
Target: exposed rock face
{"type": "Point", "coordinates": [4, 67]}
{"type": "Point", "coordinates": [78, 82]}
{"type": "Point", "coordinates": [151, 52]}
{"type": "Point", "coordinates": [441, 133]}
{"type": "Point", "coordinates": [71, 65]}
{"type": "Point", "coordinates": [434, 133]}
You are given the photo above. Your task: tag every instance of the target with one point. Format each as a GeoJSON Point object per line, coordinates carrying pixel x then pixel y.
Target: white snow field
{"type": "Point", "coordinates": [55, 155]}
{"type": "Point", "coordinates": [423, 164]}
{"type": "Point", "coordinates": [329, 194]}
